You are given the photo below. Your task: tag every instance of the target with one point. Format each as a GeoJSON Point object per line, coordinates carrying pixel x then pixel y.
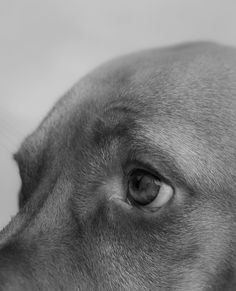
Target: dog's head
{"type": "Point", "coordinates": [129, 183]}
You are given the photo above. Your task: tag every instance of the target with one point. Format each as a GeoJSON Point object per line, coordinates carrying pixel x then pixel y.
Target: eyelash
{"type": "Point", "coordinates": [134, 165]}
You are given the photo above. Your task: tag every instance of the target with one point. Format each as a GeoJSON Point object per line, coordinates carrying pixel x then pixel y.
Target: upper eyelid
{"type": "Point", "coordinates": [144, 172]}
{"type": "Point", "coordinates": [134, 164]}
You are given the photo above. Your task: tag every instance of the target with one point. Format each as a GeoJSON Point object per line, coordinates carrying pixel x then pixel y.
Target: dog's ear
{"type": "Point", "coordinates": [30, 173]}
{"type": "Point", "coordinates": [20, 197]}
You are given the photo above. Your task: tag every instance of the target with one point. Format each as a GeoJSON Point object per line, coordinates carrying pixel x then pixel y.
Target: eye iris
{"type": "Point", "coordinates": [144, 188]}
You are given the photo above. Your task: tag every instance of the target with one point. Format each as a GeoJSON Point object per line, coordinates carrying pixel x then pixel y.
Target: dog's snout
{"type": "Point", "coordinates": [32, 257]}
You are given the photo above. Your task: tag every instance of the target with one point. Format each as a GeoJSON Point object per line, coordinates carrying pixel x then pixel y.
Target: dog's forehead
{"type": "Point", "coordinates": [173, 93]}
{"type": "Point", "coordinates": [178, 82]}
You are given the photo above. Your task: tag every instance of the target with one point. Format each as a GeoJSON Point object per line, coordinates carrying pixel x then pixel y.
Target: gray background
{"type": "Point", "coordinates": [47, 45]}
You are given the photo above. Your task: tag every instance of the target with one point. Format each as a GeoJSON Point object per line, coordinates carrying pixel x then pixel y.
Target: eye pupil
{"type": "Point", "coordinates": [137, 181]}
{"type": "Point", "coordinates": [143, 188]}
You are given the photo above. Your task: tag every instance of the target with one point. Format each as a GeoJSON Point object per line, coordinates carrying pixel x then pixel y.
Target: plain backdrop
{"type": "Point", "coordinates": [47, 45]}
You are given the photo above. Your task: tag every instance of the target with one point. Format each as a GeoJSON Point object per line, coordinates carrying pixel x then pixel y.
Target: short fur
{"type": "Point", "coordinates": [172, 108]}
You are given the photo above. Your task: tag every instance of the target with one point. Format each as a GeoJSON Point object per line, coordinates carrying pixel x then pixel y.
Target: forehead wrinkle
{"type": "Point", "coordinates": [181, 149]}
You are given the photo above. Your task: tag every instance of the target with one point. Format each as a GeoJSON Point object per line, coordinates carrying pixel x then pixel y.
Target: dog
{"type": "Point", "coordinates": [129, 182]}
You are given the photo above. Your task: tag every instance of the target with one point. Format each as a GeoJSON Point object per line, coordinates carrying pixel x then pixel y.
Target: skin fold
{"type": "Point", "coordinates": [168, 111]}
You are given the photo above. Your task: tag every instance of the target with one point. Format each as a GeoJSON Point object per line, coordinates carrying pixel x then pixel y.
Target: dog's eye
{"type": "Point", "coordinates": [146, 190]}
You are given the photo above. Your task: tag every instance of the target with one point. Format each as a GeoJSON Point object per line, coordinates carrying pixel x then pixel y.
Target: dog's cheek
{"type": "Point", "coordinates": [179, 248]}
{"type": "Point", "coordinates": [214, 231]}
{"type": "Point", "coordinates": [134, 253]}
